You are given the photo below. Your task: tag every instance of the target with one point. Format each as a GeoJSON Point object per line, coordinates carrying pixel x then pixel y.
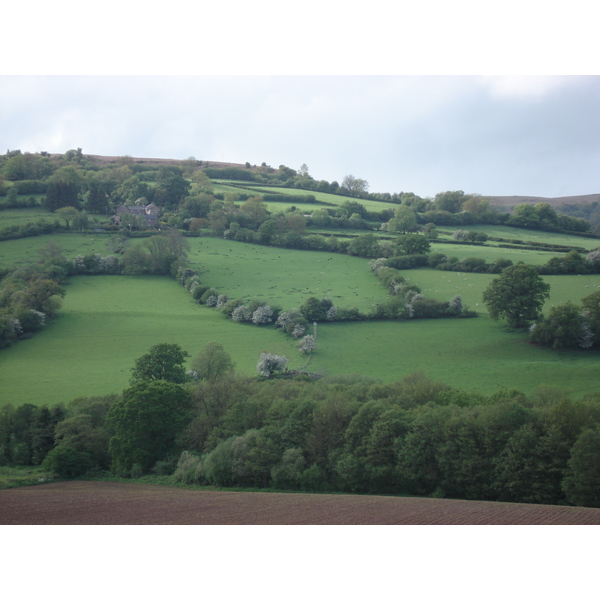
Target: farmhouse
{"type": "Point", "coordinates": [148, 212]}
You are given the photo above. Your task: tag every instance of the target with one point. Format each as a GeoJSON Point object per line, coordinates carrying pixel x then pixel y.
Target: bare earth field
{"type": "Point", "coordinates": [106, 503]}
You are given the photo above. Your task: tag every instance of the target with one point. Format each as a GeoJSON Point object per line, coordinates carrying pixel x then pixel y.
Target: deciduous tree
{"type": "Point", "coordinates": [163, 362]}
{"type": "Point", "coordinates": [517, 295]}
{"type": "Point", "coordinates": [146, 421]}
{"type": "Point", "coordinates": [212, 362]}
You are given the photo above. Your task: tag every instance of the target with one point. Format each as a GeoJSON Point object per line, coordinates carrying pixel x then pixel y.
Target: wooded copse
{"type": "Point", "coordinates": [414, 436]}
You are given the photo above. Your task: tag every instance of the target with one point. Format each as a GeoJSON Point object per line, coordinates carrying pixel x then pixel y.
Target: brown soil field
{"type": "Point", "coordinates": [106, 503]}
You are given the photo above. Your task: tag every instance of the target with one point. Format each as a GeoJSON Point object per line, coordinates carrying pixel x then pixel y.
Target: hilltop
{"type": "Point", "coordinates": [511, 201]}
{"type": "Point", "coordinates": [499, 201]}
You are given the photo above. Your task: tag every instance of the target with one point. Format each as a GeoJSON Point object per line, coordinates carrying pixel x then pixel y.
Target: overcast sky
{"type": "Point", "coordinates": [492, 135]}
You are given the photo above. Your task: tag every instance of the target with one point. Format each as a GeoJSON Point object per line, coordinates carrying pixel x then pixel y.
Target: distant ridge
{"type": "Point", "coordinates": [507, 201]}
{"type": "Point", "coordinates": [97, 158]}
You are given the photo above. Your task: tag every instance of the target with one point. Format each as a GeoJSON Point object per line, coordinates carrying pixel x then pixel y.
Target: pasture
{"type": "Point", "coordinates": [26, 250]}
{"type": "Point", "coordinates": [21, 216]}
{"type": "Point", "coordinates": [283, 276]}
{"type": "Point", "coordinates": [490, 253]}
{"type": "Point", "coordinates": [106, 323]}
{"type": "Point", "coordinates": [331, 199]}
{"type": "Point", "coordinates": [477, 355]}
{"type": "Point", "coordinates": [532, 235]}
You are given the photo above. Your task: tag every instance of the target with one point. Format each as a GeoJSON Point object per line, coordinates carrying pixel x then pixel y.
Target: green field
{"type": "Point", "coordinates": [373, 205]}
{"type": "Point", "coordinates": [20, 216]}
{"type": "Point", "coordinates": [474, 354]}
{"type": "Point", "coordinates": [285, 277]}
{"type": "Point", "coordinates": [106, 323]}
{"type": "Point", "coordinates": [491, 253]}
{"type": "Point", "coordinates": [532, 235]}
{"type": "Point", "coordinates": [25, 250]}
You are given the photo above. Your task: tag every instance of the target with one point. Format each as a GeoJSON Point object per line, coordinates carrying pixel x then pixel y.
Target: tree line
{"type": "Point", "coordinates": [415, 436]}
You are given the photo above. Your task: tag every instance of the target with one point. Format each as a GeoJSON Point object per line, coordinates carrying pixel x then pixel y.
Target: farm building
{"type": "Point", "coordinates": [148, 212]}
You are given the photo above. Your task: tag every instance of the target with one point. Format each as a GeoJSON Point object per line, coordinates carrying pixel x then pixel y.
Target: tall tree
{"type": "Point", "coordinates": [163, 362]}
{"type": "Point", "coordinates": [146, 421]}
{"type": "Point", "coordinates": [582, 482]}
{"type": "Point", "coordinates": [517, 295]}
{"type": "Point", "coordinates": [212, 362]}
{"type": "Point", "coordinates": [354, 185]}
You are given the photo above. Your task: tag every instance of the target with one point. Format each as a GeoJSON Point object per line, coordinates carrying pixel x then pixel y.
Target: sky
{"type": "Point", "coordinates": [491, 135]}
{"type": "Point", "coordinates": [442, 96]}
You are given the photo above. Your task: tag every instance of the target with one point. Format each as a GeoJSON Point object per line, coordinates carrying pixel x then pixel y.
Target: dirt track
{"type": "Point", "coordinates": [104, 503]}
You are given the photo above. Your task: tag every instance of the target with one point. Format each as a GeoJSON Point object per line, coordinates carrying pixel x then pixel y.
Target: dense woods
{"type": "Point", "coordinates": [415, 436]}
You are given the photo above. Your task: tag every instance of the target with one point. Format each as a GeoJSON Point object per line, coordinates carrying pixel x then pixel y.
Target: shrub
{"type": "Point", "coordinates": [565, 327]}
{"type": "Point", "coordinates": [262, 315]}
{"type": "Point", "coordinates": [67, 461]}
{"type": "Point", "coordinates": [455, 306]}
{"type": "Point", "coordinates": [186, 467]}
{"type": "Point", "coordinates": [199, 291]}
{"type": "Point", "coordinates": [269, 364]}
{"type": "Point", "coordinates": [240, 313]}
{"type": "Point", "coordinates": [307, 344]}
{"type": "Point", "coordinates": [207, 294]}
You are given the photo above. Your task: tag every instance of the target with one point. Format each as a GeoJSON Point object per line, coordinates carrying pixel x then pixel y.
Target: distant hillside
{"type": "Point", "coordinates": [107, 160]}
{"type": "Point", "coordinates": [500, 201]}
{"type": "Point", "coordinates": [510, 201]}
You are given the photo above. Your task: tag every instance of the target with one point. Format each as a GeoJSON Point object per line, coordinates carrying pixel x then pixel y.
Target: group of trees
{"type": "Point", "coordinates": [414, 436]}
{"type": "Point", "coordinates": [518, 296]}
{"type": "Point", "coordinates": [31, 294]}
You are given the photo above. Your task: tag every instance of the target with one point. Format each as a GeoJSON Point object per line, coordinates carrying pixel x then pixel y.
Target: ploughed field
{"type": "Point", "coordinates": [108, 503]}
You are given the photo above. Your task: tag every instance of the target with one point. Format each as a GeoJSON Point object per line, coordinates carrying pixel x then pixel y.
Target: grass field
{"type": "Point", "coordinates": [474, 354]}
{"type": "Point", "coordinates": [20, 216]}
{"type": "Point", "coordinates": [106, 323]}
{"type": "Point", "coordinates": [25, 250]}
{"type": "Point", "coordinates": [533, 235]}
{"type": "Point", "coordinates": [491, 253]}
{"type": "Point", "coordinates": [286, 277]}
{"type": "Point", "coordinates": [373, 205]}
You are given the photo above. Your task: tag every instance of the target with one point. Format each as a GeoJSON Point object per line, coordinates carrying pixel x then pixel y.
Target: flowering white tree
{"type": "Point", "coordinates": [376, 264]}
{"type": "Point", "coordinates": [460, 235]}
{"type": "Point", "coordinates": [262, 315]}
{"type": "Point", "coordinates": [240, 313]}
{"type": "Point", "coordinates": [298, 330]}
{"type": "Point", "coordinates": [108, 263]}
{"type": "Point", "coordinates": [211, 301]}
{"type": "Point", "coordinates": [456, 304]}
{"type": "Point", "coordinates": [269, 364]}
{"type": "Point", "coordinates": [286, 317]}
{"type": "Point", "coordinates": [332, 312]}
{"type": "Point", "coordinates": [39, 317]}
{"type": "Point", "coordinates": [15, 324]}
{"type": "Point", "coordinates": [222, 300]}
{"type": "Point", "coordinates": [78, 263]}
{"type": "Point", "coordinates": [307, 344]}
{"type": "Point", "coordinates": [594, 257]}
{"type": "Point", "coordinates": [192, 282]}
